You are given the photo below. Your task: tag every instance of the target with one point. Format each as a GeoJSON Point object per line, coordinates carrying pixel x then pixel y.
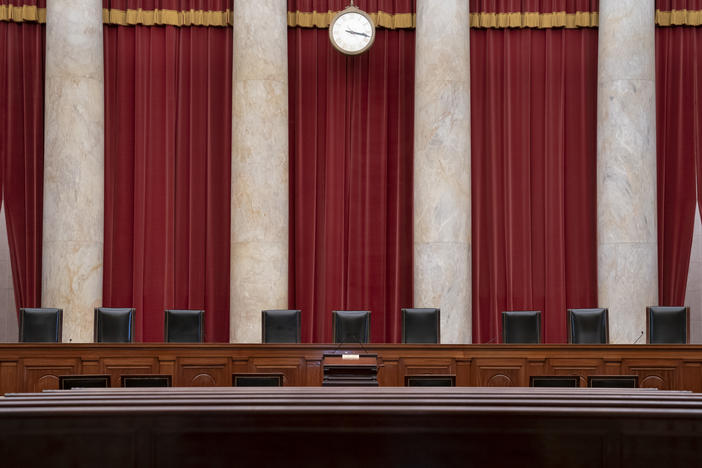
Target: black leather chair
{"type": "Point", "coordinates": [588, 326]}
{"type": "Point", "coordinates": [257, 380]}
{"type": "Point", "coordinates": [114, 325]}
{"type": "Point", "coordinates": [667, 325]}
{"type": "Point", "coordinates": [351, 326]}
{"type": "Point", "coordinates": [613, 381]}
{"type": "Point", "coordinates": [280, 326]}
{"type": "Point", "coordinates": [40, 325]}
{"type": "Point", "coordinates": [521, 326]}
{"type": "Point", "coordinates": [184, 326]}
{"type": "Point", "coordinates": [420, 326]}
{"type": "Point", "coordinates": [550, 381]}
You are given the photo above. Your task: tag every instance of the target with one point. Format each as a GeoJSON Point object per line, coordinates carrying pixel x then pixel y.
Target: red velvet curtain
{"type": "Point", "coordinates": [534, 218]}
{"type": "Point", "coordinates": [679, 126]}
{"type": "Point", "coordinates": [167, 173]}
{"type": "Point", "coordinates": [351, 153]}
{"type": "Point", "coordinates": [22, 46]}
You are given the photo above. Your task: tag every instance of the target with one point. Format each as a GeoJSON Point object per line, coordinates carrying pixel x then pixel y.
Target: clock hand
{"type": "Point", "coordinates": [357, 33]}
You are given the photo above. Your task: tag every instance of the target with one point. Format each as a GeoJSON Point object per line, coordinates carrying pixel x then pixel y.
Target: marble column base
{"type": "Point", "coordinates": [258, 268]}
{"type": "Point", "coordinates": [627, 285]}
{"type": "Point", "coordinates": [442, 279]}
{"type": "Point", "coordinates": [72, 281]}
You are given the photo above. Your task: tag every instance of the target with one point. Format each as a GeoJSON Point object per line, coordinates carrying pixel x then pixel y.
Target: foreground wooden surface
{"type": "Point", "coordinates": [36, 367]}
{"type": "Point", "coordinates": [350, 427]}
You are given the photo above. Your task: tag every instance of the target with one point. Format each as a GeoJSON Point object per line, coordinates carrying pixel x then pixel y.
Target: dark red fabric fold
{"type": "Point", "coordinates": [22, 47]}
{"type": "Point", "coordinates": [178, 5]}
{"type": "Point", "coordinates": [668, 5]}
{"type": "Point", "coordinates": [534, 218]}
{"type": "Point", "coordinates": [538, 6]}
{"type": "Point", "coordinates": [370, 6]}
{"type": "Point", "coordinates": [168, 174]}
{"type": "Point", "coordinates": [679, 125]}
{"type": "Point", "coordinates": [36, 3]}
{"type": "Point", "coordinates": [351, 153]}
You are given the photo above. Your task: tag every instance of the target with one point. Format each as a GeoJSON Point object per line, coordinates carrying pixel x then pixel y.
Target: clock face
{"type": "Point", "coordinates": [352, 32]}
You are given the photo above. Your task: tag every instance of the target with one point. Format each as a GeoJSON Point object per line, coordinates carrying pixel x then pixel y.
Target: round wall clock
{"type": "Point", "coordinates": [352, 31]}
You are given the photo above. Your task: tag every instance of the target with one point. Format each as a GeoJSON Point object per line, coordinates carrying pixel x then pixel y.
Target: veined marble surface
{"type": "Point", "coordinates": [442, 235]}
{"type": "Point", "coordinates": [626, 166]}
{"type": "Point", "coordinates": [73, 164]}
{"type": "Point", "coordinates": [259, 235]}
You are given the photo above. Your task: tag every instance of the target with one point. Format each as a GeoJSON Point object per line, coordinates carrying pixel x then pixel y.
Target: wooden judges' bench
{"type": "Point", "coordinates": [36, 367]}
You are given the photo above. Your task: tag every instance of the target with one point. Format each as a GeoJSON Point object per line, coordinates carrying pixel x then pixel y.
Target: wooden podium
{"type": "Point", "coordinates": [350, 370]}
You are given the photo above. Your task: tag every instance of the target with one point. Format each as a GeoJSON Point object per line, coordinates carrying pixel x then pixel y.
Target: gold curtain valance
{"type": "Point", "coordinates": [22, 14]}
{"type": "Point", "coordinates": [679, 18]}
{"type": "Point", "coordinates": [533, 19]}
{"type": "Point", "coordinates": [321, 19]}
{"type": "Point", "coordinates": [167, 17]}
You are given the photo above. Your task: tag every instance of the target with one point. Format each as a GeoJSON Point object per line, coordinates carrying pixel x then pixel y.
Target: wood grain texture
{"type": "Point", "coordinates": [26, 367]}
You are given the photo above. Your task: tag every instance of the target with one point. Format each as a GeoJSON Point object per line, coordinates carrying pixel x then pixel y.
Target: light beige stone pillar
{"type": "Point", "coordinates": [73, 164]}
{"type": "Point", "coordinates": [259, 236]}
{"type": "Point", "coordinates": [442, 236]}
{"type": "Point", "coordinates": [626, 166]}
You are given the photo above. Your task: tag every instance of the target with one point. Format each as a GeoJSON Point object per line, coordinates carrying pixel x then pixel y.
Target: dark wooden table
{"type": "Point", "coordinates": [351, 427]}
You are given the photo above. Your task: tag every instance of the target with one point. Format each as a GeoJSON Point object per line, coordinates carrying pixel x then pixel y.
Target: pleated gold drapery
{"type": "Point", "coordinates": [530, 14]}
{"type": "Point", "coordinates": [317, 19]}
{"type": "Point", "coordinates": [532, 19]}
{"type": "Point", "coordinates": [167, 17]}
{"type": "Point", "coordinates": [679, 18]}
{"type": "Point", "coordinates": [22, 13]}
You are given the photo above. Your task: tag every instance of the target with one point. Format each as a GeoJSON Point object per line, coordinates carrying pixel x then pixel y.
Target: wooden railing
{"type": "Point", "coordinates": [345, 427]}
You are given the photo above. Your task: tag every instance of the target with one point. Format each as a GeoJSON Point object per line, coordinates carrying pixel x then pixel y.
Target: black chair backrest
{"type": "Point", "coordinates": [613, 381]}
{"type": "Point", "coordinates": [420, 326]}
{"type": "Point", "coordinates": [588, 326]}
{"type": "Point", "coordinates": [141, 381]}
{"type": "Point", "coordinates": [521, 326]}
{"type": "Point", "coordinates": [667, 325]}
{"type": "Point", "coordinates": [351, 326]}
{"type": "Point", "coordinates": [184, 326]}
{"type": "Point", "coordinates": [40, 325]}
{"type": "Point", "coordinates": [560, 381]}
{"type": "Point", "coordinates": [257, 380]}
{"type": "Point", "coordinates": [114, 325]}
{"type": "Point", "coordinates": [280, 326]}
{"type": "Point", "coordinates": [67, 382]}
{"type": "Point", "coordinates": [427, 380]}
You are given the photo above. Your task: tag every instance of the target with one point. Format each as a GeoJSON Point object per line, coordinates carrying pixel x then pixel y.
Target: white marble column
{"type": "Point", "coordinates": [626, 166]}
{"type": "Point", "coordinates": [259, 235]}
{"type": "Point", "coordinates": [442, 236]}
{"type": "Point", "coordinates": [73, 164]}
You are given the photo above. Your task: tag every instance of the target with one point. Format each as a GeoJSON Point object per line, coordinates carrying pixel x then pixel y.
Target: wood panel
{"type": "Point", "coordinates": [291, 368]}
{"type": "Point", "coordinates": [26, 367]}
{"type": "Point", "coordinates": [499, 373]}
{"type": "Point", "coordinates": [203, 372]}
{"type": "Point", "coordinates": [116, 367]}
{"type": "Point", "coordinates": [43, 374]}
{"type": "Point", "coordinates": [288, 426]}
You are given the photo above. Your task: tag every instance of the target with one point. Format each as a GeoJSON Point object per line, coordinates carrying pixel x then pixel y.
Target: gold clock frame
{"type": "Point", "coordinates": [351, 9]}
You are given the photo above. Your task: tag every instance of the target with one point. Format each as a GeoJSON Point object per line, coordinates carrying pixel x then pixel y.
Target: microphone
{"type": "Point", "coordinates": [637, 339]}
{"type": "Point", "coordinates": [492, 340]}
